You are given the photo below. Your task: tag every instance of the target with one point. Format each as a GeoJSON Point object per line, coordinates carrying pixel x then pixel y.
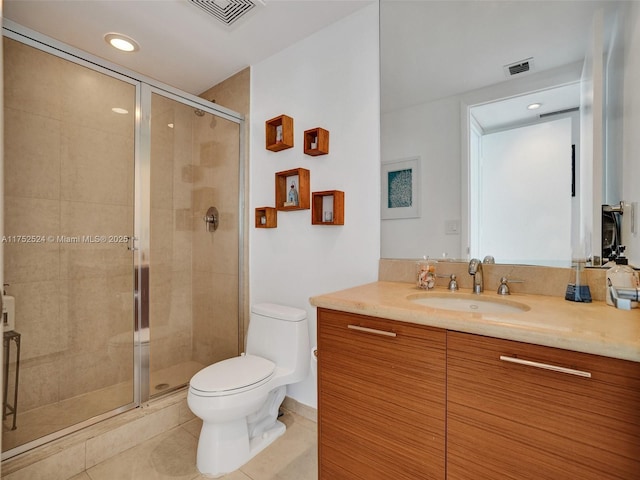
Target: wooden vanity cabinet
{"type": "Point", "coordinates": [381, 399]}
{"type": "Point", "coordinates": [515, 421]}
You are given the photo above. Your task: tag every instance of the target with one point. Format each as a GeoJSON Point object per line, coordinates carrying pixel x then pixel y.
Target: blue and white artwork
{"type": "Point", "coordinates": [400, 189]}
{"type": "Point", "coordinates": [400, 193]}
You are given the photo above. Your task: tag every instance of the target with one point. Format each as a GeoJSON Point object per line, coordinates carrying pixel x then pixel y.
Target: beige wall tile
{"type": "Point", "coordinates": [40, 94]}
{"type": "Point", "coordinates": [89, 96]}
{"type": "Point", "coordinates": [96, 166]}
{"type": "Point", "coordinates": [39, 384]}
{"type": "Point", "coordinates": [44, 331]}
{"type": "Point", "coordinates": [215, 321]}
{"type": "Point", "coordinates": [82, 218]}
{"type": "Point", "coordinates": [534, 280]}
{"type": "Point", "coordinates": [29, 262]}
{"type": "Point", "coordinates": [32, 162]}
{"type": "Point", "coordinates": [232, 93]}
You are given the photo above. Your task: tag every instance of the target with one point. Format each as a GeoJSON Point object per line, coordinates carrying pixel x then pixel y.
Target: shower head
{"type": "Point", "coordinates": [199, 112]}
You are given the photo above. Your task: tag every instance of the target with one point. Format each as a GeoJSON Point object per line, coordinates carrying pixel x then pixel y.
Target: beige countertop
{"type": "Point", "coordinates": [595, 327]}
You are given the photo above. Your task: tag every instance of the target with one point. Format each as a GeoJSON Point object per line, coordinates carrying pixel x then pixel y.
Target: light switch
{"type": "Point", "coordinates": [452, 227]}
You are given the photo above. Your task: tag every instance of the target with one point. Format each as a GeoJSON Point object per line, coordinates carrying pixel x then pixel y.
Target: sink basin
{"type": "Point", "coordinates": [469, 303]}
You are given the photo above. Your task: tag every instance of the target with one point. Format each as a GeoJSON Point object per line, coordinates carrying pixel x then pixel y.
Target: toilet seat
{"type": "Point", "coordinates": [232, 376]}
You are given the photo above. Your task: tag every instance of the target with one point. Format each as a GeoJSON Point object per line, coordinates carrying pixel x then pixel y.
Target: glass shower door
{"type": "Point", "coordinates": [193, 272]}
{"type": "Point", "coordinates": [69, 214]}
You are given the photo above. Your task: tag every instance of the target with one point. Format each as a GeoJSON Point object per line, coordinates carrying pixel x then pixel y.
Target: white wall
{"type": "Point", "coordinates": [329, 80]}
{"type": "Point", "coordinates": [631, 142]}
{"type": "Point", "coordinates": [432, 132]}
{"type": "Point", "coordinates": [525, 194]}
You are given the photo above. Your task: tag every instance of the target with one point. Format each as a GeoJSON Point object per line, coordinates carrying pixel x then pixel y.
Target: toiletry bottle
{"type": "Point", "coordinates": [622, 275]}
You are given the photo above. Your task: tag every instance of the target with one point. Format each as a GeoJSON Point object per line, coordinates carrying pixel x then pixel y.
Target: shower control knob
{"type": "Point", "coordinates": [212, 219]}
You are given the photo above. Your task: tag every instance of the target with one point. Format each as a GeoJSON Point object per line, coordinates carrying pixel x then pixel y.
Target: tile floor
{"type": "Point", "coordinates": [172, 455]}
{"type": "Point", "coordinates": [41, 421]}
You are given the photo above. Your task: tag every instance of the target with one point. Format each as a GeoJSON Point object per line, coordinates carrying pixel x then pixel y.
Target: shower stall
{"type": "Point", "coordinates": [123, 288]}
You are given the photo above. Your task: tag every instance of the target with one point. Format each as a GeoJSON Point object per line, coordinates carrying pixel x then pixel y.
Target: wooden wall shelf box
{"type": "Point", "coordinates": [283, 186]}
{"type": "Point", "coordinates": [270, 216]}
{"type": "Point", "coordinates": [319, 210]}
{"type": "Point", "coordinates": [316, 142]}
{"type": "Point", "coordinates": [273, 143]}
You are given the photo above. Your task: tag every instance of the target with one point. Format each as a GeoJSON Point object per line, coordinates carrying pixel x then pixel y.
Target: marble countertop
{"type": "Point", "coordinates": [595, 327]}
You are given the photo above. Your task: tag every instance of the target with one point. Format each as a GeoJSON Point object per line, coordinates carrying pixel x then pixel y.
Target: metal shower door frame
{"type": "Point", "coordinates": [144, 86]}
{"type": "Point", "coordinates": [143, 214]}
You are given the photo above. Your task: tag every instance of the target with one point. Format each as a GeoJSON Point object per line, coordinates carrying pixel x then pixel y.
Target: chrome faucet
{"type": "Point", "coordinates": [475, 270]}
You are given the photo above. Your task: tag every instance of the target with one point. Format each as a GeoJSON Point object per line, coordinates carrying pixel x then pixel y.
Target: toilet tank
{"type": "Point", "coordinates": [281, 334]}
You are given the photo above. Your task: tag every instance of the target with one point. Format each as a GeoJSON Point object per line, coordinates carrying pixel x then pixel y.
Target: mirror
{"type": "Point", "coordinates": [445, 71]}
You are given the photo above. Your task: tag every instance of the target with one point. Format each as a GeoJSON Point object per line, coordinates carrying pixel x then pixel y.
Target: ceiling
{"type": "Point", "coordinates": [180, 44]}
{"type": "Point", "coordinates": [429, 49]}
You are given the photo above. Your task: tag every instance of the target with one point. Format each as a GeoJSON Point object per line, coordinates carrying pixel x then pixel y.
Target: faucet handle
{"type": "Point", "coordinates": [489, 259]}
{"type": "Point", "coordinates": [453, 282]}
{"type": "Point", "coordinates": [503, 288]}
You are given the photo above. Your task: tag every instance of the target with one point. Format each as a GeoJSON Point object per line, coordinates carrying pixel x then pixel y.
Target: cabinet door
{"type": "Point", "coordinates": [381, 399]}
{"type": "Point", "coordinates": [510, 420]}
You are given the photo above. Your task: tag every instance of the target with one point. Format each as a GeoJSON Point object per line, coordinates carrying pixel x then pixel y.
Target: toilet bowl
{"type": "Point", "coordinates": [238, 399]}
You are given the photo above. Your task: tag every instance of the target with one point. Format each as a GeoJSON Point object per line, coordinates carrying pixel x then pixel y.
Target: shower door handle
{"type": "Point", "coordinates": [212, 219]}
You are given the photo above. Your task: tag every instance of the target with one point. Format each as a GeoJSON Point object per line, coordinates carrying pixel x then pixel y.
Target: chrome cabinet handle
{"type": "Point", "coordinates": [371, 330]}
{"type": "Point", "coordinates": [545, 366]}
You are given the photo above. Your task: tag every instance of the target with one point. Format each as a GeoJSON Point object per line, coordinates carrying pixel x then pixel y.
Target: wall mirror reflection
{"type": "Point", "coordinates": [525, 185]}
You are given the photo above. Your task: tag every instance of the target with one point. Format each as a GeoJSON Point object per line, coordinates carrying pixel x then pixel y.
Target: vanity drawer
{"type": "Point", "coordinates": [381, 398]}
{"type": "Point", "coordinates": [521, 411]}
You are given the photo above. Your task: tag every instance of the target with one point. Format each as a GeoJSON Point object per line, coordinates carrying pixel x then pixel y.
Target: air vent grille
{"type": "Point", "coordinates": [226, 11]}
{"type": "Point", "coordinates": [517, 68]}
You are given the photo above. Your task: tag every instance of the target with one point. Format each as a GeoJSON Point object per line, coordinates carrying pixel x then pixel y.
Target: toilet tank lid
{"type": "Point", "coordinates": [281, 312]}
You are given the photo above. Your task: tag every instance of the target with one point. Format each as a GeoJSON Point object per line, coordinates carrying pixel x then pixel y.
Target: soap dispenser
{"type": "Point", "coordinates": [621, 275]}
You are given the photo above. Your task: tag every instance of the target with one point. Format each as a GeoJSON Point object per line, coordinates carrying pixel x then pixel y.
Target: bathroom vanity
{"type": "Point", "coordinates": [407, 391]}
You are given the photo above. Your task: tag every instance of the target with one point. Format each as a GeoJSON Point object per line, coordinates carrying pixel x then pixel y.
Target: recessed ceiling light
{"type": "Point", "coordinates": [121, 111]}
{"type": "Point", "coordinates": [533, 106]}
{"type": "Point", "coordinates": [122, 42]}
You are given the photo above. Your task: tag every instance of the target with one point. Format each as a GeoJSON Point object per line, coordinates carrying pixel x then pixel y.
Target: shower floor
{"type": "Point", "coordinates": [41, 421]}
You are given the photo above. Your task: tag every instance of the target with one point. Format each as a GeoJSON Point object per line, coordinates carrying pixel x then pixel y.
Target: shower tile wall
{"type": "Point", "coordinates": [68, 172]}
{"type": "Point", "coordinates": [171, 231]}
{"type": "Point", "coordinates": [193, 273]}
{"type": "Point", "coordinates": [232, 93]}
{"type": "Point", "coordinates": [215, 260]}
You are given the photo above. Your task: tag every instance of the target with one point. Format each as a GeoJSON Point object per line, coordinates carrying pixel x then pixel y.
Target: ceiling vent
{"type": "Point", "coordinates": [228, 12]}
{"type": "Point", "coordinates": [518, 68]}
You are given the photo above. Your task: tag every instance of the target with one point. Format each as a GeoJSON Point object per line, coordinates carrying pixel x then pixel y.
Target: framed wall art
{"type": "Point", "coordinates": [400, 189]}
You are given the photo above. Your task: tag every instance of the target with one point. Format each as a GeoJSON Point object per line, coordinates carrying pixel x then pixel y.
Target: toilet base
{"type": "Point", "coordinates": [225, 447]}
{"type": "Point", "coordinates": [268, 436]}
{"type": "Point", "coordinates": [234, 451]}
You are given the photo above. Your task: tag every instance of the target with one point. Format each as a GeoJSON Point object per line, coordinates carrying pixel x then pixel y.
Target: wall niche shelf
{"type": "Point", "coordinates": [279, 133]}
{"type": "Point", "coordinates": [266, 217]}
{"type": "Point", "coordinates": [300, 178]}
{"type": "Point", "coordinates": [328, 208]}
{"type": "Point", "coordinates": [316, 142]}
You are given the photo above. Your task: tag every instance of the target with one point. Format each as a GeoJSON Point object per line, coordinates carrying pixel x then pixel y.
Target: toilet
{"type": "Point", "coordinates": [238, 399]}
